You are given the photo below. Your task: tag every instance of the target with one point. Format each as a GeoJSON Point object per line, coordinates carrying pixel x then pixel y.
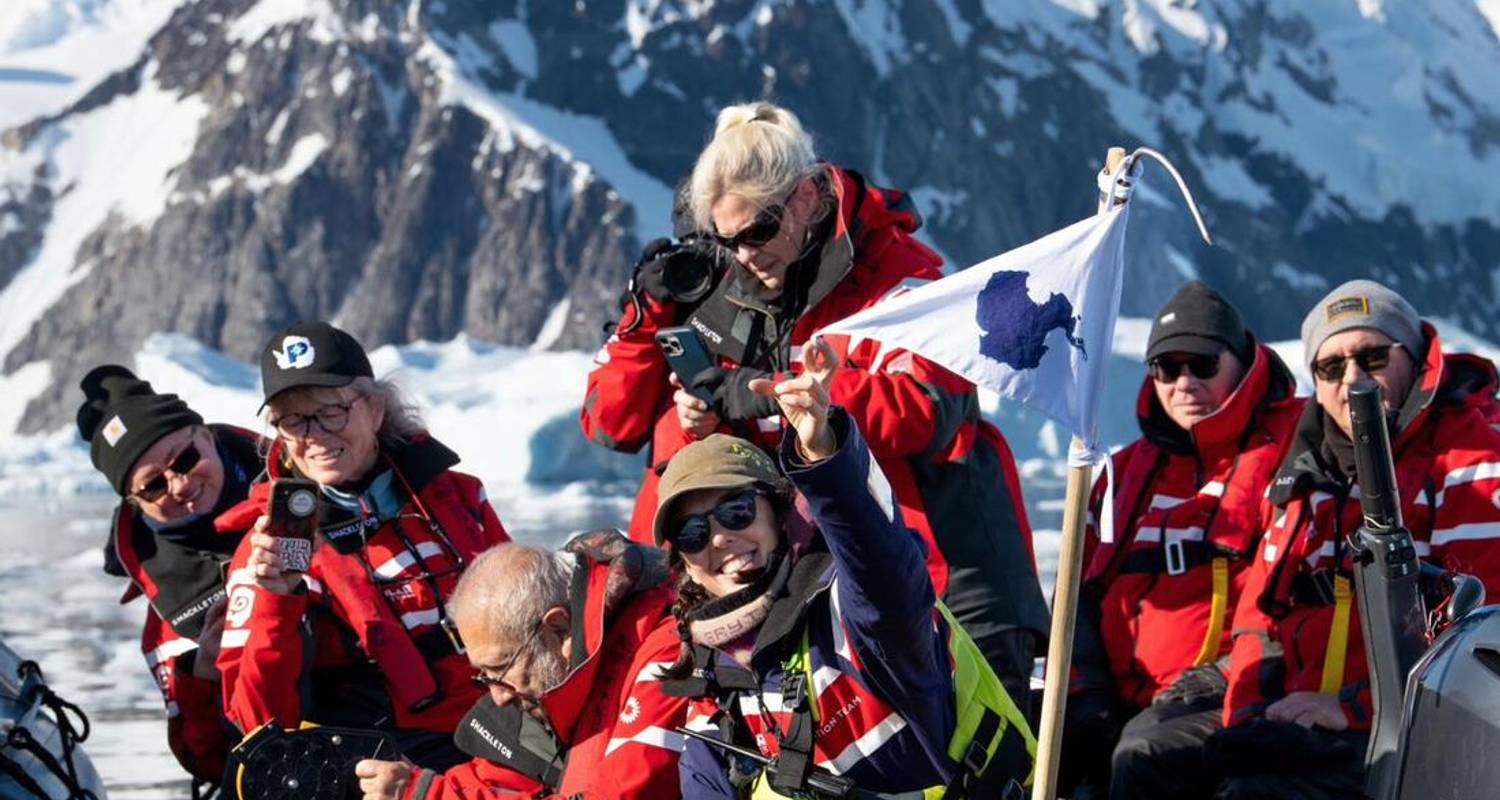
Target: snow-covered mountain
{"type": "Point", "coordinates": [488, 168]}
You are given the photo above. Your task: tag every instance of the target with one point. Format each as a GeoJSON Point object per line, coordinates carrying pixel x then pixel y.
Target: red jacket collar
{"type": "Point", "coordinates": [615, 601]}
{"type": "Point", "coordinates": [1429, 384]}
{"type": "Point", "coordinates": [869, 220]}
{"type": "Point", "coordinates": [865, 209]}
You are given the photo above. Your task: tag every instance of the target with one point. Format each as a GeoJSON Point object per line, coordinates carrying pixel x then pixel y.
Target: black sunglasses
{"type": "Point", "coordinates": [181, 465]}
{"type": "Point", "coordinates": [1370, 359]}
{"type": "Point", "coordinates": [1166, 368]}
{"type": "Point", "coordinates": [762, 229]}
{"type": "Point", "coordinates": [734, 512]}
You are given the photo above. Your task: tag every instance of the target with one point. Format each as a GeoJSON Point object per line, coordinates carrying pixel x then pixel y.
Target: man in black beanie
{"type": "Point", "coordinates": [1216, 410]}
{"type": "Point", "coordinates": [174, 475]}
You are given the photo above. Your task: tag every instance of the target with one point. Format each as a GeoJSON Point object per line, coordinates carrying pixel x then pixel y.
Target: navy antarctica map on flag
{"type": "Point", "coordinates": [1016, 327]}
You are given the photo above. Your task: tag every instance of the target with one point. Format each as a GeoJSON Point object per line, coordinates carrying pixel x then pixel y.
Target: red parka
{"type": "Point", "coordinates": [953, 473]}
{"type": "Point", "coordinates": [617, 727]}
{"type": "Point", "coordinates": [1187, 519]}
{"type": "Point", "coordinates": [1448, 474]}
{"type": "Point", "coordinates": [396, 623]}
{"type": "Point", "coordinates": [181, 584]}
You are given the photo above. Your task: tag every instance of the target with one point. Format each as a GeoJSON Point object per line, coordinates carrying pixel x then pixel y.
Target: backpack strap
{"type": "Point", "coordinates": [794, 764]}
{"type": "Point", "coordinates": [975, 759]}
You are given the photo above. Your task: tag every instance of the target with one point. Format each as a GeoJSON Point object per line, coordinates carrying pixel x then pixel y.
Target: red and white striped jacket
{"type": "Point", "coordinates": [369, 595]}
{"type": "Point", "coordinates": [1448, 473]}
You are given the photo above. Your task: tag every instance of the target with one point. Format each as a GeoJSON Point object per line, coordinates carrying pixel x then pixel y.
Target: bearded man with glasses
{"type": "Point", "coordinates": [1216, 409]}
{"type": "Point", "coordinates": [175, 474]}
{"type": "Point", "coordinates": [1299, 693]}
{"type": "Point", "coordinates": [363, 638]}
{"type": "Point", "coordinates": [568, 647]}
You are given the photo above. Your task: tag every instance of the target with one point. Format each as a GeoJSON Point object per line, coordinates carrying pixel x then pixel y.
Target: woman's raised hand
{"type": "Point", "coordinates": [804, 400]}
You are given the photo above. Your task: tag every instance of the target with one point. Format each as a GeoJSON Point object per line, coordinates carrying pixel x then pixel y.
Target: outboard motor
{"type": "Point", "coordinates": [1452, 716]}
{"type": "Point", "coordinates": [1387, 580]}
{"type": "Point", "coordinates": [1437, 714]}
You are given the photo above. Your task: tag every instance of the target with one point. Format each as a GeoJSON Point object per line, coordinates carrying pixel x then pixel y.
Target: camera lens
{"type": "Point", "coordinates": [302, 503]}
{"type": "Point", "coordinates": [689, 274]}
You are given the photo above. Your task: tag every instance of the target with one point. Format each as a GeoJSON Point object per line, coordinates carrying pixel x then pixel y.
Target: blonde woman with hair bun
{"type": "Point", "coordinates": [804, 243]}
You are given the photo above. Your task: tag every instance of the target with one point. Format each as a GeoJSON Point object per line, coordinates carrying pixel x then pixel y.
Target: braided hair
{"type": "Point", "coordinates": [689, 596]}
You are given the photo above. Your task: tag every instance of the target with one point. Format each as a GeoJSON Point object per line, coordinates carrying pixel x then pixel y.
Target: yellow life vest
{"type": "Point", "coordinates": [987, 720]}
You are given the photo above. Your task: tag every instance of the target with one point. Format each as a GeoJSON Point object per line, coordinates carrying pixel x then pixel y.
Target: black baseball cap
{"type": "Point", "coordinates": [311, 354]}
{"type": "Point", "coordinates": [1201, 321]}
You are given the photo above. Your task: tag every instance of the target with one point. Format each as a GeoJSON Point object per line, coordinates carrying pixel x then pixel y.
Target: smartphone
{"type": "Point", "coordinates": [294, 519]}
{"type": "Point", "coordinates": [687, 355]}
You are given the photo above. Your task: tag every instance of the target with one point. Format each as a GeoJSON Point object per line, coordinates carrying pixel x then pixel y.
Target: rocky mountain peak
{"type": "Point", "coordinates": [426, 169]}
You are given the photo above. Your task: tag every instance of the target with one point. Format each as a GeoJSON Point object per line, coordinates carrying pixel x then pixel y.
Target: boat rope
{"type": "Point", "coordinates": [63, 713]}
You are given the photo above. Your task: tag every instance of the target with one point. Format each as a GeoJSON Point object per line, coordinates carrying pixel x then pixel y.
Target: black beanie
{"type": "Point", "coordinates": [1199, 320]}
{"type": "Point", "coordinates": [122, 417]}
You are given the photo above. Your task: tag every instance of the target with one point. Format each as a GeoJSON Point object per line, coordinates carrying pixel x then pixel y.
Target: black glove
{"type": "Point", "coordinates": [651, 269]}
{"type": "Point", "coordinates": [733, 399]}
{"type": "Point", "coordinates": [1200, 686]}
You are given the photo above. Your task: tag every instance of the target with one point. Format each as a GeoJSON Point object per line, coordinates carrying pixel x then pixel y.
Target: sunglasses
{"type": "Point", "coordinates": [332, 418]}
{"type": "Point", "coordinates": [1165, 369]}
{"type": "Point", "coordinates": [734, 513]}
{"type": "Point", "coordinates": [180, 466]}
{"type": "Point", "coordinates": [1370, 359]}
{"type": "Point", "coordinates": [762, 229]}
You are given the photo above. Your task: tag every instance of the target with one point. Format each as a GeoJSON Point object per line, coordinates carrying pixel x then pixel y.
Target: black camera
{"type": "Point", "coordinates": [683, 271]}
{"type": "Point", "coordinates": [691, 270]}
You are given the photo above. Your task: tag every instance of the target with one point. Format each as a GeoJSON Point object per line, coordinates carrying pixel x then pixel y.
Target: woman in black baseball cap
{"type": "Point", "coordinates": [174, 475]}
{"type": "Point", "coordinates": [365, 627]}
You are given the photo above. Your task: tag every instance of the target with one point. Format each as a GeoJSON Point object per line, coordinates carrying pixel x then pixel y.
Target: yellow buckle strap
{"type": "Point", "coordinates": [1213, 640]}
{"type": "Point", "coordinates": [1338, 637]}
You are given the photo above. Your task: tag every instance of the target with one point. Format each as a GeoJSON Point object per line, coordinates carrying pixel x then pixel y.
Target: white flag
{"type": "Point", "coordinates": [1035, 324]}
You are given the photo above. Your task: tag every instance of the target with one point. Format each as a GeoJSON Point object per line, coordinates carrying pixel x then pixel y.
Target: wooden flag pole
{"type": "Point", "coordinates": [1064, 605]}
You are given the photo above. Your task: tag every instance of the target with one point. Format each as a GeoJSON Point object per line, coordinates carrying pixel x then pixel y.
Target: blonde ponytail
{"type": "Point", "coordinates": [759, 152]}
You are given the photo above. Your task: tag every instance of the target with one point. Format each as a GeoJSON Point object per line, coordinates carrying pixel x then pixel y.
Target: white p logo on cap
{"type": "Point", "coordinates": [296, 352]}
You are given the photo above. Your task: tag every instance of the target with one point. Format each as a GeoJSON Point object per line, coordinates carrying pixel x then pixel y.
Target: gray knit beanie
{"type": "Point", "coordinates": [1363, 304]}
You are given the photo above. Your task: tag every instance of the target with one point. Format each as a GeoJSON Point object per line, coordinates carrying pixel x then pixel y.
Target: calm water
{"type": "Point", "coordinates": [59, 608]}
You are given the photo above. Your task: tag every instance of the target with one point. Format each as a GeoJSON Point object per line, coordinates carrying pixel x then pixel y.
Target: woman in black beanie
{"type": "Point", "coordinates": [174, 475]}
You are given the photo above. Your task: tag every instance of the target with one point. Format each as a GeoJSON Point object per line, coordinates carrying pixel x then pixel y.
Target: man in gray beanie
{"type": "Point", "coordinates": [1298, 708]}
{"type": "Point", "coordinates": [1362, 330]}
